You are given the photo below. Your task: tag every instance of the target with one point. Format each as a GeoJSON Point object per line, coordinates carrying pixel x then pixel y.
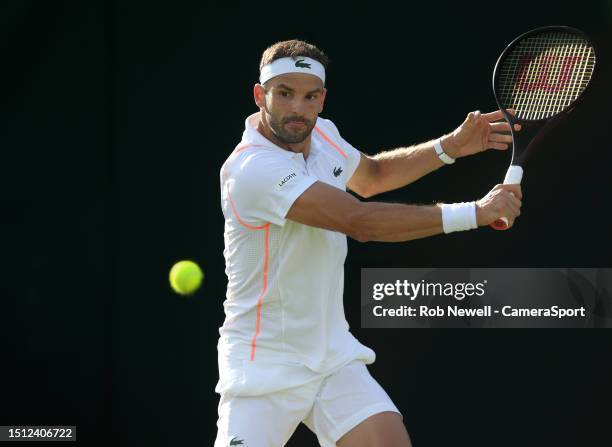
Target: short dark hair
{"type": "Point", "coordinates": [293, 48]}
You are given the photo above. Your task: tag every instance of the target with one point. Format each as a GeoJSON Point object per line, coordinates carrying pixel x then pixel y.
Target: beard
{"type": "Point", "coordinates": [288, 130]}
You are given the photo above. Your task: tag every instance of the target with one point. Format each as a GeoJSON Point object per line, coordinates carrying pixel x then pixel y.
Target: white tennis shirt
{"type": "Point", "coordinates": [284, 315]}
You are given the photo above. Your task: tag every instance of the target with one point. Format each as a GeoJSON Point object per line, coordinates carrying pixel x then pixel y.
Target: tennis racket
{"type": "Point", "coordinates": [542, 75]}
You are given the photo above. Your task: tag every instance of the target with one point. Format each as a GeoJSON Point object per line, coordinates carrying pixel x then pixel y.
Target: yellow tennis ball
{"type": "Point", "coordinates": [186, 277]}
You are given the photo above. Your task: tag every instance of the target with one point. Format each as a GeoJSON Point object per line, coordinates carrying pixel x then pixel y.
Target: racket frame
{"type": "Point", "coordinates": [532, 131]}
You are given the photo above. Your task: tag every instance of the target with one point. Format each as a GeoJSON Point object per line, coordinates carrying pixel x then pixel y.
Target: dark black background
{"type": "Point", "coordinates": [116, 118]}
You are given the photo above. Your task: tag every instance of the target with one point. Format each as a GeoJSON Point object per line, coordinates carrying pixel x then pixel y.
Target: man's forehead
{"type": "Point", "coordinates": [297, 82]}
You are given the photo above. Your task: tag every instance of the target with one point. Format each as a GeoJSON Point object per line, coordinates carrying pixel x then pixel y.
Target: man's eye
{"type": "Point", "coordinates": [284, 94]}
{"type": "Point", "coordinates": [311, 97]}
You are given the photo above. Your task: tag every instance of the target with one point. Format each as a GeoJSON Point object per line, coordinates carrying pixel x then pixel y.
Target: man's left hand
{"type": "Point", "coordinates": [477, 133]}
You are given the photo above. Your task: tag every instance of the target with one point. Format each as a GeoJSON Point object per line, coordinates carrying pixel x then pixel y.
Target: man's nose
{"type": "Point", "coordinates": [298, 106]}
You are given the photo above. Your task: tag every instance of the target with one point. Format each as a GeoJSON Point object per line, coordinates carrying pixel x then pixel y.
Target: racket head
{"type": "Point", "coordinates": [543, 74]}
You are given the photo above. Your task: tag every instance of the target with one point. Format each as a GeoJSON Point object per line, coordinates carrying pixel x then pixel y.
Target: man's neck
{"type": "Point", "coordinates": [303, 147]}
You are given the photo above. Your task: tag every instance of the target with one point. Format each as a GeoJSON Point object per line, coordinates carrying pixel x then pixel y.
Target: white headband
{"type": "Point", "coordinates": [289, 65]}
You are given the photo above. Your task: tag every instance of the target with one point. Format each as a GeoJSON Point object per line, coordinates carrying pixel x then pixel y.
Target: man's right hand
{"type": "Point", "coordinates": [501, 201]}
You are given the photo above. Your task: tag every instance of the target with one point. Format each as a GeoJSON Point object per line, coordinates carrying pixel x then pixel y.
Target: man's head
{"type": "Point", "coordinates": [292, 92]}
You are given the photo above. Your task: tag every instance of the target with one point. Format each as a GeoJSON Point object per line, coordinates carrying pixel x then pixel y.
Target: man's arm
{"type": "Point", "coordinates": [325, 206]}
{"type": "Point", "coordinates": [393, 169]}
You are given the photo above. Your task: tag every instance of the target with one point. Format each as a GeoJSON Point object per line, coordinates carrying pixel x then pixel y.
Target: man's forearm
{"type": "Point", "coordinates": [399, 167]}
{"type": "Point", "coordinates": [393, 222]}
{"type": "Point", "coordinates": [325, 206]}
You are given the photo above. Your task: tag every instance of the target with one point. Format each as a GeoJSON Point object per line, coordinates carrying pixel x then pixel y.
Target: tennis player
{"type": "Point", "coordinates": [285, 351]}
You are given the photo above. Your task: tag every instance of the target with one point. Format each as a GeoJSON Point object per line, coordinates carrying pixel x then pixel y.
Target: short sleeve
{"type": "Point", "coordinates": [353, 155]}
{"type": "Point", "coordinates": [262, 186]}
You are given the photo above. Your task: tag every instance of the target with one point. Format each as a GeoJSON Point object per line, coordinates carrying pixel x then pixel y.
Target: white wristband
{"type": "Point", "coordinates": [441, 154]}
{"type": "Point", "coordinates": [459, 216]}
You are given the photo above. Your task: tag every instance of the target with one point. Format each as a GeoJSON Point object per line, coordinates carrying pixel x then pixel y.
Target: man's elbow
{"type": "Point", "coordinates": [365, 191]}
{"type": "Point", "coordinates": [360, 236]}
{"type": "Point", "coordinates": [367, 183]}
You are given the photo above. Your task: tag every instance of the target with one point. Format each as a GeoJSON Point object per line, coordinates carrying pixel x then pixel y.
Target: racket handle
{"type": "Point", "coordinates": [514, 175]}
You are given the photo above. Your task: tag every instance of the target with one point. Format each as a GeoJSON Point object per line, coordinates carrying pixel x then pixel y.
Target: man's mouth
{"type": "Point", "coordinates": [296, 123]}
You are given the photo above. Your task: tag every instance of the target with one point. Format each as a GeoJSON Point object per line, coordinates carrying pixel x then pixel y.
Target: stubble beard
{"type": "Point", "coordinates": [286, 136]}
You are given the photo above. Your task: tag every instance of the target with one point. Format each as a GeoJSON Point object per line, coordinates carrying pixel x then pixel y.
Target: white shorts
{"type": "Point", "coordinates": [330, 406]}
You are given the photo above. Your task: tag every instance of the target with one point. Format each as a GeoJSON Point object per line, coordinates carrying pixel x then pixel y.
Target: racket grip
{"type": "Point", "coordinates": [514, 175]}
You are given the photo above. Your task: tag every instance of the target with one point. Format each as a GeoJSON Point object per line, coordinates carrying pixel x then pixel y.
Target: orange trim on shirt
{"type": "Point", "coordinates": [334, 145]}
{"type": "Point", "coordinates": [264, 289]}
{"type": "Point", "coordinates": [263, 292]}
{"type": "Point", "coordinates": [240, 148]}
{"type": "Point", "coordinates": [240, 221]}
{"type": "Point", "coordinates": [237, 150]}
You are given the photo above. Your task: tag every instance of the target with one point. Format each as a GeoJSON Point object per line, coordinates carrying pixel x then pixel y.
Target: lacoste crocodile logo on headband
{"type": "Point", "coordinates": [284, 65]}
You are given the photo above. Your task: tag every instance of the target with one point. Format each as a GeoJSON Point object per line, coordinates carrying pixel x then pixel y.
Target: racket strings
{"type": "Point", "coordinates": [543, 74]}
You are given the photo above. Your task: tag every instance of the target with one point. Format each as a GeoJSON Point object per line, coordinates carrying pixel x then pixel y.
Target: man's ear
{"type": "Point", "coordinates": [259, 94]}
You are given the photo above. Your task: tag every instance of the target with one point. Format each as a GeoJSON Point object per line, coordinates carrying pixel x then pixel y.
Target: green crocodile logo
{"type": "Point", "coordinates": [235, 441]}
{"type": "Point", "coordinates": [301, 64]}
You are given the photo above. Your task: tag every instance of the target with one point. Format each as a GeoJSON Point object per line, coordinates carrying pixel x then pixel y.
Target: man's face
{"type": "Point", "coordinates": [291, 104]}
